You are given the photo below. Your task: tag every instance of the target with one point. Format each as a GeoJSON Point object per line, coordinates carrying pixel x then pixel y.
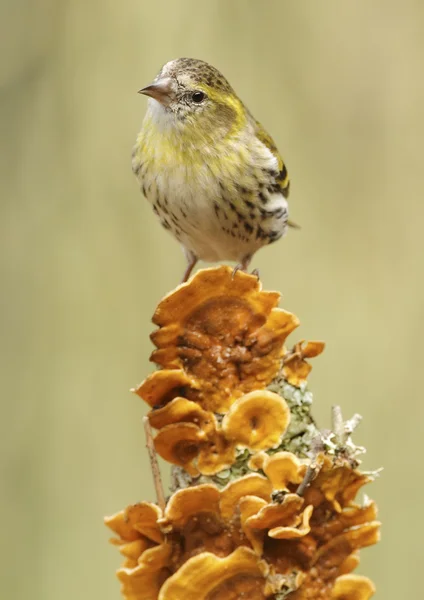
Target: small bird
{"type": "Point", "coordinates": [211, 172]}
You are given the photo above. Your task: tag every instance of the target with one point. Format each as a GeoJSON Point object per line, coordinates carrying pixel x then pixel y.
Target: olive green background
{"type": "Point", "coordinates": [83, 261]}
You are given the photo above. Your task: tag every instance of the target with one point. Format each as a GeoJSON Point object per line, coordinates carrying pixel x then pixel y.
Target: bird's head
{"type": "Point", "coordinates": [190, 92]}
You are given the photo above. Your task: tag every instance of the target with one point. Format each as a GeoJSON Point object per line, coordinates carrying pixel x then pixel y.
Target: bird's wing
{"type": "Point", "coordinates": [282, 179]}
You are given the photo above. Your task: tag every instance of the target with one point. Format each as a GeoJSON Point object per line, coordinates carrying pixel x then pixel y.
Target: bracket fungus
{"type": "Point", "coordinates": [296, 369]}
{"type": "Point", "coordinates": [264, 503]}
{"type": "Point", "coordinates": [208, 577]}
{"type": "Point", "coordinates": [353, 587]}
{"type": "Point", "coordinates": [191, 437]}
{"type": "Point", "coordinates": [224, 332]}
{"type": "Point", "coordinates": [163, 386]}
{"type": "Point", "coordinates": [291, 536]}
{"type": "Point", "coordinates": [257, 420]}
{"type": "Point", "coordinates": [282, 468]}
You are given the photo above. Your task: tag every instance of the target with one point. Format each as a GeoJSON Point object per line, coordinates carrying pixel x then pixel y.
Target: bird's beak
{"type": "Point", "coordinates": [160, 91]}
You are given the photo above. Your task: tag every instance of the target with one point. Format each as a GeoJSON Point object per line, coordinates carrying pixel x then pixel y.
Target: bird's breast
{"type": "Point", "coordinates": [208, 195]}
{"type": "Point", "coordinates": [185, 166]}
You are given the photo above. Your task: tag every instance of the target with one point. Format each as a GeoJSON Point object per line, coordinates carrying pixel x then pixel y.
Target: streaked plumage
{"type": "Point", "coordinates": [212, 174]}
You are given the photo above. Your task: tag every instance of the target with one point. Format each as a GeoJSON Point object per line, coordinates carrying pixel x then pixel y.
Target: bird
{"type": "Point", "coordinates": [211, 172]}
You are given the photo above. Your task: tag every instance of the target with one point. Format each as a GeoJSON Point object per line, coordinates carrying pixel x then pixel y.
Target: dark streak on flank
{"type": "Point", "coordinates": [274, 188]}
{"type": "Point", "coordinates": [282, 174]}
{"type": "Point", "coordinates": [273, 236]}
{"type": "Point", "coordinates": [262, 197]}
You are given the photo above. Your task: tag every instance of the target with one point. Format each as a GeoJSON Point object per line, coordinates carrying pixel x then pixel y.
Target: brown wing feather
{"type": "Point", "coordinates": [282, 179]}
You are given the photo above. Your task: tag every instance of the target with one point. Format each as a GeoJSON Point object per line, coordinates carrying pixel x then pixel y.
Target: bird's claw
{"type": "Point", "coordinates": [240, 267]}
{"type": "Point", "coordinates": [236, 268]}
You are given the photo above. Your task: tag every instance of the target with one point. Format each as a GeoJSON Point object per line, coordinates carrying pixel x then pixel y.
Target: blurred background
{"type": "Point", "coordinates": [84, 262]}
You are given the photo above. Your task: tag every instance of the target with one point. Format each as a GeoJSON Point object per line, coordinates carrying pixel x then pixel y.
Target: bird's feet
{"type": "Point", "coordinates": [243, 266]}
{"type": "Point", "coordinates": [191, 263]}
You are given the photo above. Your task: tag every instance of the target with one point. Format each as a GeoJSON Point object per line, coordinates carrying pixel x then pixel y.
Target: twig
{"type": "Point", "coordinates": [313, 468]}
{"type": "Point", "coordinates": [309, 475]}
{"type": "Point", "coordinates": [352, 423]}
{"type": "Point", "coordinates": [337, 424]}
{"type": "Point", "coordinates": [154, 465]}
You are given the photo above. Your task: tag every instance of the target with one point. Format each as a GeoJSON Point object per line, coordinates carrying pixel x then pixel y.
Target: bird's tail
{"type": "Point", "coordinates": [293, 225]}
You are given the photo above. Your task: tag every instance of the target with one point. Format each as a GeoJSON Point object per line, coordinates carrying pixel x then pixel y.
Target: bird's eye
{"type": "Point", "coordinates": [198, 97]}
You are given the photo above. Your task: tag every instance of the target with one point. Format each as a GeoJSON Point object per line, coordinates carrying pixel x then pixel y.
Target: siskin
{"type": "Point", "coordinates": [212, 173]}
